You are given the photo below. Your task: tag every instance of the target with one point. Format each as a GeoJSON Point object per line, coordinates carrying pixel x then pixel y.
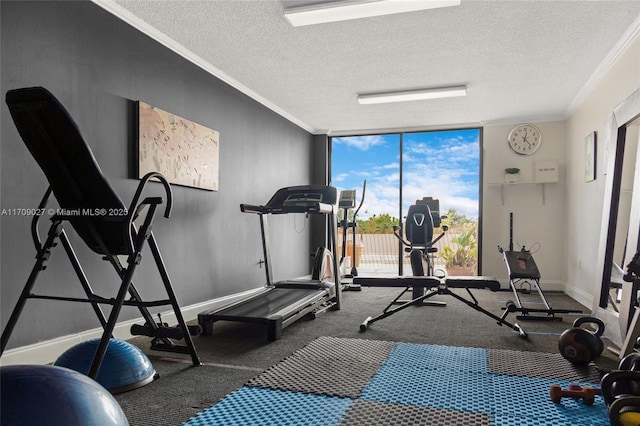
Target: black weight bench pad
{"type": "Point", "coordinates": [521, 265]}
{"type": "Point", "coordinates": [489, 283]}
{"type": "Point", "coordinates": [398, 281]}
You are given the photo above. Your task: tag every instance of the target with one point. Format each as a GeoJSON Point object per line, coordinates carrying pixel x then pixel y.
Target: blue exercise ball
{"type": "Point", "coordinates": [55, 396]}
{"type": "Point", "coordinates": [124, 367]}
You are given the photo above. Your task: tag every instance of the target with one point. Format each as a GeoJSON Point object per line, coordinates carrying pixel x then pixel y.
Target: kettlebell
{"type": "Point", "coordinates": [625, 381]}
{"type": "Point", "coordinates": [630, 362]}
{"type": "Point", "coordinates": [619, 384]}
{"type": "Point", "coordinates": [580, 346]}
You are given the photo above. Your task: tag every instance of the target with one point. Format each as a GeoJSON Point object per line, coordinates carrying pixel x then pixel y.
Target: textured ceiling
{"type": "Point", "coordinates": [521, 60]}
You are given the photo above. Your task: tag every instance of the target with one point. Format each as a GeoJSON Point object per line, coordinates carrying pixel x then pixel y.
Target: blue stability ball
{"type": "Point", "coordinates": [124, 367]}
{"type": "Point", "coordinates": [54, 396]}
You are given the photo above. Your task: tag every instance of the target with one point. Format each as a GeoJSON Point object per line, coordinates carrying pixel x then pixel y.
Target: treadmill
{"type": "Point", "coordinates": [280, 304]}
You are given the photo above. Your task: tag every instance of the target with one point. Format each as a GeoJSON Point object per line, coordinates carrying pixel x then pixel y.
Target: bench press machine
{"type": "Point", "coordinates": [420, 223]}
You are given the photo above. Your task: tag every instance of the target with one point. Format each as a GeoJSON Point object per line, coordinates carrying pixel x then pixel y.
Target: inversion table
{"type": "Point", "coordinates": [89, 206]}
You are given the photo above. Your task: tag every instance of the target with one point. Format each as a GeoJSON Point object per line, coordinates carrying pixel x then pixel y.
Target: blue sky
{"type": "Point", "coordinates": [442, 165]}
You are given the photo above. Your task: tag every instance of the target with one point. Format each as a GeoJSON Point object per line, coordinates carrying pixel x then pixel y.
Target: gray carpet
{"type": "Point", "coordinates": [236, 353]}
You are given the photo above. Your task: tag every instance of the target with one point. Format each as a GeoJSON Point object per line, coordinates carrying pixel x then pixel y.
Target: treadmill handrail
{"type": "Point", "coordinates": [251, 208]}
{"type": "Point", "coordinates": [290, 207]}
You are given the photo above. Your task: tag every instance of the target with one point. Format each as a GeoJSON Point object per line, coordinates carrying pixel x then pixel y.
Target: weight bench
{"type": "Point", "coordinates": [422, 217]}
{"type": "Point", "coordinates": [89, 206]}
{"type": "Point", "coordinates": [437, 286]}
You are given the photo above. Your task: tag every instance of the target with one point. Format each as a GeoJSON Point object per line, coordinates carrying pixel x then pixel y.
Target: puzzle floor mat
{"type": "Point", "coordinates": [338, 381]}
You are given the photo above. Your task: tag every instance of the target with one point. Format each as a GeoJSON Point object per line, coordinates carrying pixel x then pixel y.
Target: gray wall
{"type": "Point", "coordinates": [98, 66]}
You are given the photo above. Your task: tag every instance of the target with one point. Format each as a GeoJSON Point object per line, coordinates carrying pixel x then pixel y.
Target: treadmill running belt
{"type": "Point", "coordinates": [275, 302]}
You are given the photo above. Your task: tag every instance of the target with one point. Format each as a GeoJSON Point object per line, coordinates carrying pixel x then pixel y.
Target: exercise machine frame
{"type": "Point", "coordinates": [438, 286]}
{"type": "Point", "coordinates": [522, 268]}
{"type": "Point", "coordinates": [88, 204]}
{"type": "Point", "coordinates": [420, 243]}
{"type": "Point", "coordinates": [347, 202]}
{"type": "Point", "coordinates": [280, 304]}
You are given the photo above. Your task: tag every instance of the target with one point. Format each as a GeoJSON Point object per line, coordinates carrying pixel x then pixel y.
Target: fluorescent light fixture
{"type": "Point", "coordinates": [413, 95]}
{"type": "Point", "coordinates": [345, 10]}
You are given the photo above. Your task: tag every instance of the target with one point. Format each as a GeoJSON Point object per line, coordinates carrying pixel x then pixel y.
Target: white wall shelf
{"type": "Point", "coordinates": [520, 183]}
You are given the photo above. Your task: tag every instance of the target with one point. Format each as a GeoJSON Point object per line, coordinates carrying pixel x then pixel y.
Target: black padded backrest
{"type": "Point", "coordinates": [419, 225]}
{"type": "Point", "coordinates": [77, 182]}
{"type": "Point", "coordinates": [434, 208]}
{"type": "Point", "coordinates": [522, 265]}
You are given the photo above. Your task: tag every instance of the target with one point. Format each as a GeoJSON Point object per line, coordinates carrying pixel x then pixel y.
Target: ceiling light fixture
{"type": "Point", "coordinates": [345, 10]}
{"type": "Point", "coordinates": [413, 95]}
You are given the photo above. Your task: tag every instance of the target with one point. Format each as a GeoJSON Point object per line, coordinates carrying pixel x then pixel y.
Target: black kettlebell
{"type": "Point", "coordinates": [630, 362]}
{"type": "Point", "coordinates": [580, 346]}
{"type": "Point", "coordinates": [620, 384]}
{"type": "Point", "coordinates": [625, 381]}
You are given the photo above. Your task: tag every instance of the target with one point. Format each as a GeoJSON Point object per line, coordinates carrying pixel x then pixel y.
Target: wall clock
{"type": "Point", "coordinates": [525, 139]}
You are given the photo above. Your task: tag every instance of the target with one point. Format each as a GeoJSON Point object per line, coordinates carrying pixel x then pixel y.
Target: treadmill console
{"type": "Point", "coordinates": [304, 203]}
{"type": "Point", "coordinates": [303, 199]}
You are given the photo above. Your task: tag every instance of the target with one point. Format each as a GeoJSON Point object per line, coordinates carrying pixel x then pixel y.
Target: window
{"type": "Point", "coordinates": [401, 168]}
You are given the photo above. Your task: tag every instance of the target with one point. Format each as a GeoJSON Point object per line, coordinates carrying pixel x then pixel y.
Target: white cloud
{"type": "Point", "coordinates": [340, 177]}
{"type": "Point", "coordinates": [363, 143]}
{"type": "Point", "coordinates": [446, 171]}
{"type": "Point", "coordinates": [391, 166]}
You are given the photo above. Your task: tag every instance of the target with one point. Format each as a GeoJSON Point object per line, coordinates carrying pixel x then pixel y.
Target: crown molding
{"type": "Point", "coordinates": [605, 66]}
{"type": "Point", "coordinates": [145, 28]}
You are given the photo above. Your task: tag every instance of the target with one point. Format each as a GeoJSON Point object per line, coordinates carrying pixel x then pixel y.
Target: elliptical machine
{"type": "Point", "coordinates": [347, 202]}
{"type": "Point", "coordinates": [422, 218]}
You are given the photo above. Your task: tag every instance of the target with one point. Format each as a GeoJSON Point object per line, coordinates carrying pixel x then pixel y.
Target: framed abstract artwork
{"type": "Point", "coordinates": [186, 153]}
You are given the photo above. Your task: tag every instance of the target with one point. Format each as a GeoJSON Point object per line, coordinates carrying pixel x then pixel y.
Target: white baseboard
{"type": "Point", "coordinates": [48, 351]}
{"type": "Point", "coordinates": [581, 297]}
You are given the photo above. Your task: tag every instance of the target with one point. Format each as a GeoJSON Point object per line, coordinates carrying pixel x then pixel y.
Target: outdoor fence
{"type": "Point", "coordinates": [378, 253]}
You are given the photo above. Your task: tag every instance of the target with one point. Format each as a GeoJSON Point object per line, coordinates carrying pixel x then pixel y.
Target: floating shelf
{"type": "Point", "coordinates": [503, 184]}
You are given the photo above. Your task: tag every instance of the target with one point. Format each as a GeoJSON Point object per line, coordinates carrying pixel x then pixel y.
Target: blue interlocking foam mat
{"type": "Point", "coordinates": [412, 384]}
{"type": "Point", "coordinates": [256, 406]}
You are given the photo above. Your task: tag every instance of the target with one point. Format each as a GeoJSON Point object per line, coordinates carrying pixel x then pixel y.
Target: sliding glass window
{"type": "Point", "coordinates": [400, 169]}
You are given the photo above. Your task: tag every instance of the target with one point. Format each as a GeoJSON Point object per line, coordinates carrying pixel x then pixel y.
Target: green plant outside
{"type": "Point", "coordinates": [382, 224]}
{"type": "Point", "coordinates": [463, 250]}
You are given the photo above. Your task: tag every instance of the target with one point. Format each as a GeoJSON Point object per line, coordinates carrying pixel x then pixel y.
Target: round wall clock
{"type": "Point", "coordinates": [525, 139]}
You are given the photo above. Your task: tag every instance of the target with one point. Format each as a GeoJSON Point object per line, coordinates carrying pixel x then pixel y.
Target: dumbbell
{"type": "Point", "coordinates": [577, 387]}
{"type": "Point", "coordinates": [586, 393]}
